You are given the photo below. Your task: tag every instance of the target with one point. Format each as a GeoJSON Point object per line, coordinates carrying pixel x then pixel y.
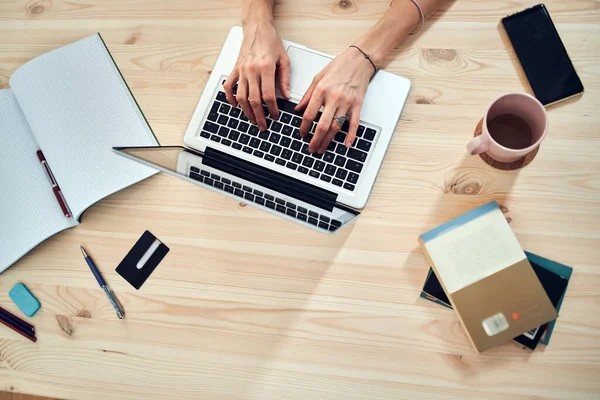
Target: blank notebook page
{"type": "Point", "coordinates": [29, 212]}
{"type": "Point", "coordinates": [78, 108]}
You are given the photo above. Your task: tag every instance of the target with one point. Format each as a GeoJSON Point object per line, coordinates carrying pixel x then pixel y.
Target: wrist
{"type": "Point", "coordinates": [360, 64]}
{"type": "Point", "coordinates": [372, 50]}
{"type": "Point", "coordinates": [257, 14]}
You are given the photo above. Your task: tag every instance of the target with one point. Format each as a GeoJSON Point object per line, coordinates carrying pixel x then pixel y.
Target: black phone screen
{"type": "Point", "coordinates": [542, 55]}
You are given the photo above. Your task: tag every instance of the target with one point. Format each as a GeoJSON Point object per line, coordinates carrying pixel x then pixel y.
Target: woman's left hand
{"type": "Point", "coordinates": [340, 89]}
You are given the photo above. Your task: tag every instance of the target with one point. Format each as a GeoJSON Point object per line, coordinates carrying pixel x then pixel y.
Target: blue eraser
{"type": "Point", "coordinates": [23, 298]}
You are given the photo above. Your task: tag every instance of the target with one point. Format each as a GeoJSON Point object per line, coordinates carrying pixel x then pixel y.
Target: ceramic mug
{"type": "Point", "coordinates": [525, 108]}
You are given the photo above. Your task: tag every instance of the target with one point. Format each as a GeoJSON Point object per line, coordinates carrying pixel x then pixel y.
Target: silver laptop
{"type": "Point", "coordinates": [273, 170]}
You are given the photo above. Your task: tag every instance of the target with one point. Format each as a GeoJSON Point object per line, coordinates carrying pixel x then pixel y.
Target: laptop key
{"type": "Point", "coordinates": [229, 189]}
{"type": "Point", "coordinates": [341, 149]}
{"type": "Point", "coordinates": [265, 146]}
{"type": "Point", "coordinates": [330, 169]}
{"type": "Point", "coordinates": [253, 130]}
{"type": "Point", "coordinates": [235, 112]}
{"type": "Point", "coordinates": [196, 177]}
{"type": "Point", "coordinates": [340, 161]}
{"type": "Point", "coordinates": [205, 173]}
{"type": "Point", "coordinates": [363, 145]}
{"type": "Point", "coordinates": [226, 181]}
{"type": "Point", "coordinates": [340, 137]}
{"type": "Point", "coordinates": [333, 228]}
{"type": "Point", "coordinates": [328, 156]}
{"type": "Point", "coordinates": [239, 193]}
{"type": "Point", "coordinates": [264, 135]}
{"type": "Point", "coordinates": [275, 150]}
{"type": "Point", "coordinates": [305, 149]}
{"type": "Point", "coordinates": [274, 138]}
{"type": "Point", "coordinates": [233, 123]}
{"type": "Point", "coordinates": [234, 135]}
{"type": "Point", "coordinates": [325, 178]}
{"type": "Point", "coordinates": [313, 221]}
{"type": "Point", "coordinates": [336, 223]}
{"type": "Point", "coordinates": [319, 166]}
{"type": "Point", "coordinates": [243, 127]}
{"type": "Point", "coordinates": [195, 169]}
{"type": "Point", "coordinates": [302, 217]}
{"type": "Point", "coordinates": [317, 156]}
{"type": "Point", "coordinates": [280, 201]}
{"type": "Point", "coordinates": [211, 127]}
{"type": "Point", "coordinates": [287, 154]}
{"type": "Point", "coordinates": [331, 146]}
{"type": "Point", "coordinates": [259, 200]}
{"type": "Point", "coordinates": [215, 107]}
{"type": "Point", "coordinates": [237, 185]}
{"type": "Point", "coordinates": [285, 118]}
{"type": "Point", "coordinates": [360, 131]}
{"type": "Point", "coordinates": [290, 205]}
{"type": "Point", "coordinates": [219, 185]}
{"type": "Point", "coordinates": [223, 131]}
{"type": "Point", "coordinates": [243, 117]}
{"type": "Point", "coordinates": [247, 188]}
{"type": "Point", "coordinates": [226, 142]}
{"type": "Point", "coordinates": [291, 213]}
{"type": "Point", "coordinates": [352, 177]}
{"type": "Point", "coordinates": [337, 182]}
{"type": "Point", "coordinates": [281, 209]}
{"type": "Point", "coordinates": [296, 122]}
{"type": "Point", "coordinates": [205, 134]}
{"type": "Point", "coordinates": [258, 153]}
{"type": "Point", "coordinates": [314, 173]}
{"type": "Point", "coordinates": [291, 165]}
{"type": "Point", "coordinates": [285, 142]}
{"type": "Point", "coordinates": [257, 192]}
{"type": "Point", "coordinates": [254, 142]}
{"type": "Point", "coordinates": [302, 210]}
{"type": "Point", "coordinates": [324, 218]}
{"type": "Point", "coordinates": [357, 155]}
{"type": "Point", "coordinates": [215, 177]}
{"type": "Point", "coordinates": [313, 214]}
{"type": "Point", "coordinates": [237, 146]}
{"type": "Point", "coordinates": [223, 120]}
{"type": "Point", "coordinates": [341, 173]}
{"type": "Point", "coordinates": [244, 139]}
{"type": "Point", "coordinates": [370, 134]}
{"type": "Point", "coordinates": [354, 166]}
{"type": "Point", "coordinates": [348, 186]}
{"type": "Point", "coordinates": [287, 130]}
{"type": "Point", "coordinates": [323, 225]}
{"type": "Point", "coordinates": [270, 204]}
{"type": "Point", "coordinates": [249, 196]}
{"type": "Point", "coordinates": [215, 138]}
{"type": "Point", "coordinates": [296, 145]}
{"type": "Point", "coordinates": [297, 158]}
{"type": "Point", "coordinates": [280, 161]}
{"type": "Point", "coordinates": [212, 116]}
{"type": "Point", "coordinates": [221, 96]}
{"type": "Point", "coordinates": [209, 181]}
{"type": "Point", "coordinates": [303, 170]}
{"type": "Point", "coordinates": [269, 158]}
{"type": "Point", "coordinates": [224, 109]}
{"type": "Point", "coordinates": [308, 162]}
{"type": "Point", "coordinates": [276, 126]}
{"type": "Point", "coordinates": [269, 197]}
{"type": "Point", "coordinates": [247, 150]}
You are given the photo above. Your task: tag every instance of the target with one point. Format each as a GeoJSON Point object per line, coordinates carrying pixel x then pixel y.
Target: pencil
{"type": "Point", "coordinates": [7, 322]}
{"type": "Point", "coordinates": [18, 321]}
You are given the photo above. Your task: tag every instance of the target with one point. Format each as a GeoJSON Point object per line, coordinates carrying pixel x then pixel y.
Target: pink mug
{"type": "Point", "coordinates": [522, 132]}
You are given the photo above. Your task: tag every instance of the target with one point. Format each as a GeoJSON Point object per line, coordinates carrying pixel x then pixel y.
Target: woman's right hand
{"type": "Point", "coordinates": [262, 57]}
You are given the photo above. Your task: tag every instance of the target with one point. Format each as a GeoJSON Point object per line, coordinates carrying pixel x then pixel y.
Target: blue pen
{"type": "Point", "coordinates": [102, 283]}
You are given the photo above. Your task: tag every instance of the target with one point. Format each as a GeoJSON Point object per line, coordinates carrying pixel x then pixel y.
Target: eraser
{"type": "Point", "coordinates": [23, 298]}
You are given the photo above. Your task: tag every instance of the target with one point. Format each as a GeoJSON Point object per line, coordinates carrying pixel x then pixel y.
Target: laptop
{"type": "Point", "coordinates": [273, 170]}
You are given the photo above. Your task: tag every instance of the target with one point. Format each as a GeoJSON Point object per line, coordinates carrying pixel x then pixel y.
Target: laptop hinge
{"type": "Point", "coordinates": [271, 179]}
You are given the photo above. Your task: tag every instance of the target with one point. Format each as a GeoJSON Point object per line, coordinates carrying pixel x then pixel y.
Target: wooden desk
{"type": "Point", "coordinates": [249, 306]}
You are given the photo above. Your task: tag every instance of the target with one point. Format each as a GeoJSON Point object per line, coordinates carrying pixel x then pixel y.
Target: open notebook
{"type": "Point", "coordinates": [74, 105]}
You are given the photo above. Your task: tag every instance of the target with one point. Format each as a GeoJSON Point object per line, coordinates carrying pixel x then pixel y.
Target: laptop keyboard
{"type": "Point", "coordinates": [264, 199]}
{"type": "Point", "coordinates": [281, 142]}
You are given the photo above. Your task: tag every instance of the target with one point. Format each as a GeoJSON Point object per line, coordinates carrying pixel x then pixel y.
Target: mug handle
{"type": "Point", "coordinates": [477, 145]}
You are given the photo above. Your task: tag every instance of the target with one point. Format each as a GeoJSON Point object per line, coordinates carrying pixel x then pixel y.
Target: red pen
{"type": "Point", "coordinates": [57, 193]}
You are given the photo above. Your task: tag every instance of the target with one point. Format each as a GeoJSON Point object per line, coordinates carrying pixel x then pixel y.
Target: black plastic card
{"type": "Point", "coordinates": [142, 259]}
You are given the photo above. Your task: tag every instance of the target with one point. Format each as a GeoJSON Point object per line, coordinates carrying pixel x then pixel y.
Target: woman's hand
{"type": "Point", "coordinates": [340, 89]}
{"type": "Point", "coordinates": [262, 55]}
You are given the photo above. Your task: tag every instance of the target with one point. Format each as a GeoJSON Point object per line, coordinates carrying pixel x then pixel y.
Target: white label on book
{"type": "Point", "coordinates": [495, 324]}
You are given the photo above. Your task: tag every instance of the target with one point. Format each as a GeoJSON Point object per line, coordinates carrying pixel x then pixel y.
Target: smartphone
{"type": "Point", "coordinates": [542, 55]}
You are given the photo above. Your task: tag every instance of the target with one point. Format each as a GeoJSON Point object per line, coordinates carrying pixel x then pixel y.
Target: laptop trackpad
{"type": "Point", "coordinates": [305, 64]}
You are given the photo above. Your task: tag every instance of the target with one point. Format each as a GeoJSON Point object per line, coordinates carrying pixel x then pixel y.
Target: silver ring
{"type": "Point", "coordinates": [341, 119]}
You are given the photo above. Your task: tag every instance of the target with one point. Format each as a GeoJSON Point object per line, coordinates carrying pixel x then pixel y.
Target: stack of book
{"type": "Point", "coordinates": [498, 291]}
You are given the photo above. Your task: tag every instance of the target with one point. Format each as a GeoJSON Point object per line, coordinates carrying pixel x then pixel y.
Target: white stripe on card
{"type": "Point", "coordinates": [148, 254]}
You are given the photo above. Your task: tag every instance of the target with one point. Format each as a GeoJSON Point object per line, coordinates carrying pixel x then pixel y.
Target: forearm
{"type": "Point", "coordinates": [257, 11]}
{"type": "Point", "coordinates": [400, 19]}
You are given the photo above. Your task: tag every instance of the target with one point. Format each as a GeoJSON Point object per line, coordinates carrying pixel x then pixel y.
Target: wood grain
{"type": "Point", "coordinates": [249, 306]}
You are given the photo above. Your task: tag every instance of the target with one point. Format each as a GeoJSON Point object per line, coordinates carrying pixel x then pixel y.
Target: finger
{"type": "Point", "coordinates": [333, 129]}
{"type": "Point", "coordinates": [308, 95]}
{"type": "Point", "coordinates": [283, 72]}
{"type": "Point", "coordinates": [268, 92]}
{"type": "Point", "coordinates": [353, 127]}
{"type": "Point", "coordinates": [322, 129]}
{"type": "Point", "coordinates": [230, 82]}
{"type": "Point", "coordinates": [242, 97]}
{"type": "Point", "coordinates": [311, 112]}
{"type": "Point", "coordinates": [256, 101]}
